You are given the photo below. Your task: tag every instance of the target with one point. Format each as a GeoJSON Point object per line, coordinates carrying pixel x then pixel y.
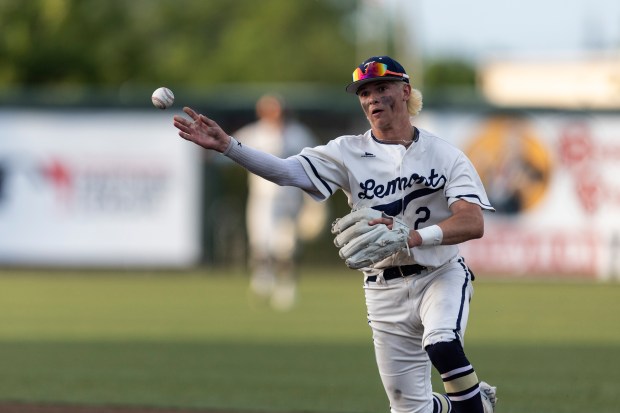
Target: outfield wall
{"type": "Point", "coordinates": [119, 188]}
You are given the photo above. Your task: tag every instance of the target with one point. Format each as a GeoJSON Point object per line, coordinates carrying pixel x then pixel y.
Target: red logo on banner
{"type": "Point", "coordinates": [576, 146]}
{"type": "Point", "coordinates": [589, 191]}
{"type": "Point", "coordinates": [58, 174]}
{"type": "Point", "coordinates": [578, 153]}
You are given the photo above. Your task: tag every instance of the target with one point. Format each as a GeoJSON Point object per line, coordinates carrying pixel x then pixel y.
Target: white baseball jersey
{"type": "Point", "coordinates": [416, 184]}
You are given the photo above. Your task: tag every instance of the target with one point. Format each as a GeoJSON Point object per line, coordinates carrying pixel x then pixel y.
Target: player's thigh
{"type": "Point", "coordinates": [389, 305]}
{"type": "Point", "coordinates": [260, 222]}
{"type": "Point", "coordinates": [444, 307]}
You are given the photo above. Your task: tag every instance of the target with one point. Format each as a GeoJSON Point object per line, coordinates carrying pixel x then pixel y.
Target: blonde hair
{"type": "Point", "coordinates": [414, 104]}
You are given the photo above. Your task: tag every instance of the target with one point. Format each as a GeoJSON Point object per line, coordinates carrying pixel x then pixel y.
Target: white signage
{"type": "Point", "coordinates": [553, 180]}
{"type": "Point", "coordinates": [97, 188]}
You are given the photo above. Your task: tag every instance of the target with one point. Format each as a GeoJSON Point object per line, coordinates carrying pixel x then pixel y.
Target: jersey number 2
{"type": "Point", "coordinates": [424, 214]}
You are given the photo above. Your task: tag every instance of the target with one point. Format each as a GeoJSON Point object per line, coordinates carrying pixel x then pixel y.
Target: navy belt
{"type": "Point", "coordinates": [397, 272]}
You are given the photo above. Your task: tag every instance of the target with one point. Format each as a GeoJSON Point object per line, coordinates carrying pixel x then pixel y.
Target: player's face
{"type": "Point", "coordinates": [383, 102]}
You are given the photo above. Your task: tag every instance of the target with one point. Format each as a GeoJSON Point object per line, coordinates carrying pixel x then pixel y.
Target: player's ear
{"type": "Point", "coordinates": [406, 91]}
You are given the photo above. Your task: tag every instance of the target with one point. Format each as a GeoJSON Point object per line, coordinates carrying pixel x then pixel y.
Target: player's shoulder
{"type": "Point", "coordinates": [338, 147]}
{"type": "Point", "coordinates": [428, 138]}
{"type": "Point", "coordinates": [348, 141]}
{"type": "Point", "coordinates": [432, 137]}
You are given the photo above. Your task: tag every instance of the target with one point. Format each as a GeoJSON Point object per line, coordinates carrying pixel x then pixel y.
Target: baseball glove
{"type": "Point", "coordinates": [361, 244]}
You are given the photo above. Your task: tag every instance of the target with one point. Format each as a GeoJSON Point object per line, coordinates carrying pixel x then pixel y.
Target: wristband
{"type": "Point", "coordinates": [432, 235]}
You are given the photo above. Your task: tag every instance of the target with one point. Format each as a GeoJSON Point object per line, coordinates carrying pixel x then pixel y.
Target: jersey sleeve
{"type": "Point", "coordinates": [325, 168]}
{"type": "Point", "coordinates": [465, 184]}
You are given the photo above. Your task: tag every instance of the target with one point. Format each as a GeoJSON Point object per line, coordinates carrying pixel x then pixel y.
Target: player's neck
{"type": "Point", "coordinates": [401, 135]}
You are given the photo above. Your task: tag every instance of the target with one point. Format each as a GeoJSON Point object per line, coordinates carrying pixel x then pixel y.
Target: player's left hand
{"type": "Point", "coordinates": [367, 236]}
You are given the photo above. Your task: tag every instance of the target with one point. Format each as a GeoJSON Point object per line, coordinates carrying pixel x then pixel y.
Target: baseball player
{"type": "Point", "coordinates": [272, 212]}
{"type": "Point", "coordinates": [414, 197]}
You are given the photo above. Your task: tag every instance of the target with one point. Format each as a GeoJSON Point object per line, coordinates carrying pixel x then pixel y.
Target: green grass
{"type": "Point", "coordinates": [196, 340]}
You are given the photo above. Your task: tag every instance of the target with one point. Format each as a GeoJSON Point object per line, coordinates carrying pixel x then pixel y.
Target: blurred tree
{"type": "Point", "coordinates": [177, 42]}
{"type": "Point", "coordinates": [449, 73]}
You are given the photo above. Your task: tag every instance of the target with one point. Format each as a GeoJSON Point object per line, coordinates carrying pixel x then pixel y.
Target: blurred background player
{"type": "Point", "coordinates": [275, 215]}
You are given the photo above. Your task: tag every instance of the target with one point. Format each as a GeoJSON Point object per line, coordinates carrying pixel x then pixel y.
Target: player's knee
{"type": "Point", "coordinates": [439, 336]}
{"type": "Point", "coordinates": [447, 355]}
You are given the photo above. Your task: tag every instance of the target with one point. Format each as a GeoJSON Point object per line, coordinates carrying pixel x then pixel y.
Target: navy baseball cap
{"type": "Point", "coordinates": [377, 68]}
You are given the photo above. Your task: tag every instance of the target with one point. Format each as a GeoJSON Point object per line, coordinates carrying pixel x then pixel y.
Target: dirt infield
{"type": "Point", "coordinates": [34, 408]}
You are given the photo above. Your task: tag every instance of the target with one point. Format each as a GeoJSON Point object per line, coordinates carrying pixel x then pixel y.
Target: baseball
{"type": "Point", "coordinates": [162, 98]}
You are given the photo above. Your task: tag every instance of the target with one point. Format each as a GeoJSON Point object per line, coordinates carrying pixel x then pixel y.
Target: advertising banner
{"type": "Point", "coordinates": [552, 178]}
{"type": "Point", "coordinates": [97, 189]}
